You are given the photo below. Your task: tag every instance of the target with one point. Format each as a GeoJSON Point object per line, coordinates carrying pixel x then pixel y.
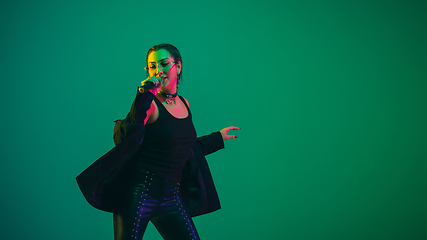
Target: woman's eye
{"type": "Point", "coordinates": [164, 64]}
{"type": "Point", "coordinates": [152, 66]}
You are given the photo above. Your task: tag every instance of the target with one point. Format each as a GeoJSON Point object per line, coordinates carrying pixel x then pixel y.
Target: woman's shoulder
{"type": "Point", "coordinates": [186, 101]}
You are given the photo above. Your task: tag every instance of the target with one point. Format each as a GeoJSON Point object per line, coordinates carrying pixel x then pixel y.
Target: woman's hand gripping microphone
{"type": "Point", "coordinates": [151, 84]}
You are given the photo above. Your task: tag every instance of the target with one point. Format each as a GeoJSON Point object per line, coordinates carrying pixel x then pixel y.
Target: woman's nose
{"type": "Point", "coordinates": [159, 70]}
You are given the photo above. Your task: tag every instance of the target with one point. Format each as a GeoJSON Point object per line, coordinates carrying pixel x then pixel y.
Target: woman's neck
{"type": "Point", "coordinates": [169, 90]}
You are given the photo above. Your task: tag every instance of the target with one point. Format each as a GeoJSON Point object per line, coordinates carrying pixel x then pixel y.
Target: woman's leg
{"type": "Point", "coordinates": [174, 226]}
{"type": "Point", "coordinates": [130, 223]}
{"type": "Point", "coordinates": [128, 228]}
{"type": "Point", "coordinates": [173, 221]}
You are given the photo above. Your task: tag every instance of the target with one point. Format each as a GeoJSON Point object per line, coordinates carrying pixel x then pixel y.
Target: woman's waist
{"type": "Point", "coordinates": [157, 170]}
{"type": "Point", "coordinates": [152, 184]}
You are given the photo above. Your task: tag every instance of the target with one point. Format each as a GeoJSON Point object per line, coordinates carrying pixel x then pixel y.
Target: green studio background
{"type": "Point", "coordinates": [330, 95]}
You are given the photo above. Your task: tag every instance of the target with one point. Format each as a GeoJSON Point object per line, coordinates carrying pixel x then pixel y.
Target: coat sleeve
{"type": "Point", "coordinates": [210, 143]}
{"type": "Point", "coordinates": [135, 118]}
{"type": "Point", "coordinates": [101, 183]}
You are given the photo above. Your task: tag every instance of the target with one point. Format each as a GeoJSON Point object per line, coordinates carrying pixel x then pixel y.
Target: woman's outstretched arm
{"type": "Point", "coordinates": [224, 133]}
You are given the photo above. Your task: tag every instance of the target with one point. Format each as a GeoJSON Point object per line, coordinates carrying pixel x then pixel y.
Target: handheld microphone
{"type": "Point", "coordinates": [148, 85]}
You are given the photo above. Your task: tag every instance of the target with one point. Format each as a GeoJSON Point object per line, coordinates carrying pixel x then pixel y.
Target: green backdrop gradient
{"type": "Point", "coordinates": [330, 95]}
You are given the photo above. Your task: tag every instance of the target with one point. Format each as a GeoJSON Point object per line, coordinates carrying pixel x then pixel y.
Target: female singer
{"type": "Point", "coordinates": [164, 161]}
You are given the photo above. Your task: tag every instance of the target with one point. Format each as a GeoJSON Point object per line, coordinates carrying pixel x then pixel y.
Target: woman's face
{"type": "Point", "coordinates": [160, 63]}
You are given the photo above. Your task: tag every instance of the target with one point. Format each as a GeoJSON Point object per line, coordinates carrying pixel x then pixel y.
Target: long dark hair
{"type": "Point", "coordinates": [172, 50]}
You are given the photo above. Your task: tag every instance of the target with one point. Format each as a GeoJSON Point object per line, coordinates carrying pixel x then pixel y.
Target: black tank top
{"type": "Point", "coordinates": [167, 143]}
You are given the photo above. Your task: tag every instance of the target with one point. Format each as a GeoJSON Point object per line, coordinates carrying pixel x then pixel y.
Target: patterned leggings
{"type": "Point", "coordinates": [157, 200]}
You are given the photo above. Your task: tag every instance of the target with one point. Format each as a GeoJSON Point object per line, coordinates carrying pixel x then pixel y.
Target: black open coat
{"type": "Point", "coordinates": [103, 183]}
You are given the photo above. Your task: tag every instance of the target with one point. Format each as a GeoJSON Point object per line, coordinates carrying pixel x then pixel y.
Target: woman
{"type": "Point", "coordinates": [157, 172]}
